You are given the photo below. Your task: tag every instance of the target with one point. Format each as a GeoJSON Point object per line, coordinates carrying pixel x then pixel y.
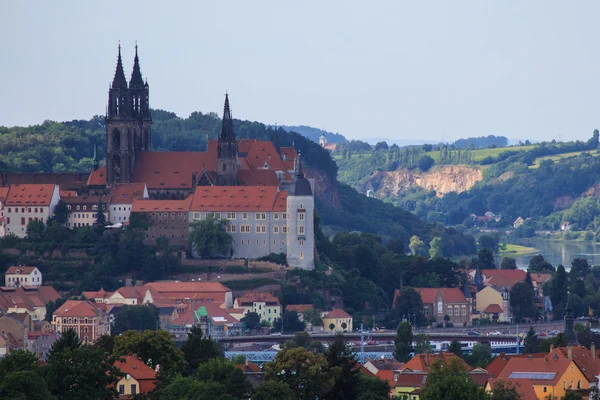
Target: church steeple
{"type": "Point", "coordinates": [96, 161]}
{"type": "Point", "coordinates": [119, 81]}
{"type": "Point", "coordinates": [227, 150]}
{"type": "Point", "coordinates": [227, 132]}
{"type": "Point", "coordinates": [276, 141]}
{"type": "Point", "coordinates": [136, 80]}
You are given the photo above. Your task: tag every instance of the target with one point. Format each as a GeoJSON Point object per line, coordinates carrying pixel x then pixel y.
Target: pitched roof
{"type": "Point", "coordinates": [514, 275]}
{"type": "Point", "coordinates": [67, 193]}
{"type": "Point", "coordinates": [27, 297]}
{"type": "Point", "coordinates": [545, 370]}
{"type": "Point", "coordinates": [428, 295]}
{"type": "Point", "coordinates": [93, 200]}
{"type": "Point", "coordinates": [100, 294]}
{"type": "Point", "coordinates": [250, 297]}
{"type": "Point", "coordinates": [248, 367]}
{"type": "Point", "coordinates": [539, 277]}
{"type": "Point", "coordinates": [422, 362]}
{"type": "Point", "coordinates": [453, 295]}
{"type": "Point", "coordinates": [3, 193]}
{"type": "Point", "coordinates": [239, 198]}
{"type": "Point", "coordinates": [30, 194]}
{"type": "Point", "coordinates": [299, 308]}
{"type": "Point", "coordinates": [125, 193]}
{"type": "Point", "coordinates": [583, 358]}
{"type": "Point", "coordinates": [523, 386]}
{"type": "Point", "coordinates": [337, 313]}
{"type": "Point", "coordinates": [144, 205]}
{"type": "Point", "coordinates": [411, 379]}
{"type": "Point", "coordinates": [20, 270]}
{"type": "Point", "coordinates": [77, 308]}
{"type": "Point", "coordinates": [170, 169]}
{"type": "Point", "coordinates": [137, 369]}
{"type": "Point", "coordinates": [493, 309]}
{"type": "Point", "coordinates": [261, 177]}
{"type": "Point", "coordinates": [97, 177]}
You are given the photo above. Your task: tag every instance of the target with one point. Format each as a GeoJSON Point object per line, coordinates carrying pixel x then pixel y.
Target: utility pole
{"type": "Point", "coordinates": [362, 344]}
{"type": "Point", "coordinates": [518, 344]}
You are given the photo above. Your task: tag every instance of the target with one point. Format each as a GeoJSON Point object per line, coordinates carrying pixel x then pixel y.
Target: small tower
{"type": "Point", "coordinates": [227, 150]}
{"type": "Point", "coordinates": [569, 318]}
{"type": "Point", "coordinates": [276, 140]}
{"type": "Point", "coordinates": [300, 210]}
{"type": "Point", "coordinates": [322, 140]}
{"type": "Point", "coordinates": [96, 161]}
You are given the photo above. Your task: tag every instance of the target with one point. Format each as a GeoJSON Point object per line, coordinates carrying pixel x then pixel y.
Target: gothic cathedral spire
{"type": "Point", "coordinates": [227, 151]}
{"type": "Point", "coordinates": [227, 132]}
{"type": "Point", "coordinates": [136, 80]}
{"type": "Point", "coordinates": [119, 81]}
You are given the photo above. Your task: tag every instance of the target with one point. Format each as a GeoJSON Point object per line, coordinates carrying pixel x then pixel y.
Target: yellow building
{"type": "Point", "coordinates": [550, 375]}
{"type": "Point", "coordinates": [138, 378]}
{"type": "Point", "coordinates": [337, 321]}
{"type": "Point", "coordinates": [264, 304]}
{"type": "Point", "coordinates": [494, 303]}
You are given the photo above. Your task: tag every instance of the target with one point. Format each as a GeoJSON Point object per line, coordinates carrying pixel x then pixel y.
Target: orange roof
{"type": "Point", "coordinates": [125, 193]}
{"type": "Point", "coordinates": [137, 369]}
{"type": "Point", "coordinates": [67, 193]}
{"type": "Point", "coordinates": [93, 200]}
{"type": "Point", "coordinates": [100, 294]}
{"type": "Point", "coordinates": [144, 205]}
{"type": "Point", "coordinates": [428, 295]}
{"type": "Point", "coordinates": [260, 177]}
{"type": "Point", "coordinates": [251, 297]}
{"type": "Point", "coordinates": [337, 313]}
{"type": "Point", "coordinates": [20, 270]}
{"type": "Point", "coordinates": [248, 367]}
{"type": "Point", "coordinates": [97, 177]}
{"type": "Point", "coordinates": [30, 194]}
{"type": "Point", "coordinates": [523, 386]}
{"type": "Point", "coordinates": [493, 309]}
{"type": "Point", "coordinates": [239, 198]}
{"type": "Point", "coordinates": [205, 287]}
{"type": "Point", "coordinates": [77, 308]}
{"type": "Point", "coordinates": [514, 275]}
{"type": "Point", "coordinates": [583, 358]}
{"type": "Point", "coordinates": [3, 193]}
{"type": "Point", "coordinates": [261, 153]}
{"type": "Point", "coordinates": [27, 297]}
{"type": "Point", "coordinates": [519, 367]}
{"type": "Point", "coordinates": [422, 362]}
{"type": "Point", "coordinates": [453, 295]}
{"type": "Point", "coordinates": [299, 308]}
{"type": "Point", "coordinates": [172, 170]}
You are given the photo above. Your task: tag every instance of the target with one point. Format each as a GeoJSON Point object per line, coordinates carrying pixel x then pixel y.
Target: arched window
{"type": "Point", "coordinates": [224, 167]}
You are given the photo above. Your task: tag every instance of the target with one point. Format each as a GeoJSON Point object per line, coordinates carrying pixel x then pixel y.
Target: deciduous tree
{"type": "Point", "coordinates": [209, 237]}
{"type": "Point", "coordinates": [198, 349]}
{"type": "Point", "coordinates": [450, 381]}
{"type": "Point", "coordinates": [403, 342]}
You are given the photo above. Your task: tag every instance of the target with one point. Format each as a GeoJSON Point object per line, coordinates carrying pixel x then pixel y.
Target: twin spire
{"type": "Point", "coordinates": [119, 82]}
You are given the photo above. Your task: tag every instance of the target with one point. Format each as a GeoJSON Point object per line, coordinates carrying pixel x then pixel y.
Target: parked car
{"type": "Point", "coordinates": [473, 333]}
{"type": "Point", "coordinates": [494, 333]}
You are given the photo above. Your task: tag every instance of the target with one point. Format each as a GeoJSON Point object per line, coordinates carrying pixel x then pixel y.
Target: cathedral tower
{"type": "Point", "coordinates": [140, 107]}
{"type": "Point", "coordinates": [227, 152]}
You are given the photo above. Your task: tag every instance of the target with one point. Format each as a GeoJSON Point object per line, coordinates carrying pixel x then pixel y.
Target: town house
{"type": "Point", "coordinates": [264, 304]}
{"type": "Point", "coordinates": [83, 210]}
{"type": "Point", "coordinates": [22, 276]}
{"type": "Point", "coordinates": [89, 320]}
{"type": "Point", "coordinates": [29, 202]}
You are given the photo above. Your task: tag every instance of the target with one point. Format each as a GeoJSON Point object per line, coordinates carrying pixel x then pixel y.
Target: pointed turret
{"type": "Point", "coordinates": [300, 186]}
{"type": "Point", "coordinates": [96, 161]}
{"type": "Point", "coordinates": [276, 141]}
{"type": "Point", "coordinates": [119, 80]}
{"type": "Point", "coordinates": [227, 132]}
{"type": "Point", "coordinates": [569, 318]}
{"type": "Point", "coordinates": [136, 76]}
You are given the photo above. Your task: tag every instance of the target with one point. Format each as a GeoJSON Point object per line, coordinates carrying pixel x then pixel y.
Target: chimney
{"type": "Point", "coordinates": [551, 348]}
{"type": "Point", "coordinates": [593, 350]}
{"type": "Point", "coordinates": [570, 352]}
{"type": "Point", "coordinates": [427, 358]}
{"type": "Point", "coordinates": [247, 362]}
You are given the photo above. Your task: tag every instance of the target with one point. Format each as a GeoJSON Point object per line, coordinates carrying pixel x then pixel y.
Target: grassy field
{"type": "Point", "coordinates": [480, 154]}
{"type": "Point", "coordinates": [557, 157]}
{"type": "Point", "coordinates": [516, 250]}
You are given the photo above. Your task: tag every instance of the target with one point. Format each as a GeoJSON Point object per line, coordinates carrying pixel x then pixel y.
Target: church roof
{"type": "Point", "coordinates": [97, 177]}
{"type": "Point", "coordinates": [172, 169]}
{"type": "Point", "coordinates": [238, 198]}
{"type": "Point", "coordinates": [119, 80]}
{"type": "Point", "coordinates": [136, 75]}
{"type": "Point", "coordinates": [144, 205]}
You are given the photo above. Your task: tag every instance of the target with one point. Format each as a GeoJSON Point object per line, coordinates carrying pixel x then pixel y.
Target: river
{"type": "Point", "coordinates": [560, 252]}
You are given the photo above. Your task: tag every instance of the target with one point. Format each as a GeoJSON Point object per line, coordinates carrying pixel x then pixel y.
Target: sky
{"type": "Point", "coordinates": [402, 70]}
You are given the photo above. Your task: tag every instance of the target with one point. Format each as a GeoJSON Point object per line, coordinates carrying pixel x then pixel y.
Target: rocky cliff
{"type": "Point", "coordinates": [443, 179]}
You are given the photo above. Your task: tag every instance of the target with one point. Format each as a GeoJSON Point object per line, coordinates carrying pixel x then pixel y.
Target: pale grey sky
{"type": "Point", "coordinates": [395, 69]}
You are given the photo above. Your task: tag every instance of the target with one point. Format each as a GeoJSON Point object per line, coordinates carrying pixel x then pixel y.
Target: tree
{"type": "Point", "coordinates": [61, 213]}
{"type": "Point", "coordinates": [571, 395]}
{"type": "Point", "coordinates": [408, 303]}
{"type": "Point", "coordinates": [291, 322]}
{"type": "Point", "coordinates": [450, 381]}
{"type": "Point", "coordinates": [508, 263]}
{"type": "Point", "coordinates": [273, 390]}
{"type": "Point", "coordinates": [485, 259]}
{"type": "Point", "coordinates": [198, 349]}
{"type": "Point", "coordinates": [403, 342]}
{"type": "Point", "coordinates": [83, 372]}
{"type": "Point", "coordinates": [100, 217]}
{"type": "Point", "coordinates": [303, 371]}
{"type": "Point", "coordinates": [209, 237]}
{"type": "Point", "coordinates": [455, 347]}
{"type": "Point", "coordinates": [152, 347]}
{"type": "Point", "coordinates": [373, 388]}
{"type": "Point", "coordinates": [490, 242]}
{"type": "Point", "coordinates": [579, 268]}
{"type": "Point", "coordinates": [416, 246]}
{"type": "Point", "coordinates": [137, 318]}
{"type": "Point", "coordinates": [505, 391]}
{"type": "Point", "coordinates": [106, 343]}
{"type": "Point", "coordinates": [251, 321]}
{"type": "Point", "coordinates": [23, 385]}
{"type": "Point", "coordinates": [68, 341]}
{"type": "Point", "coordinates": [522, 301]}
{"type": "Point", "coordinates": [422, 344]}
{"type": "Point", "coordinates": [192, 389]}
{"type": "Point", "coordinates": [35, 230]}
{"type": "Point", "coordinates": [558, 292]}
{"type": "Point", "coordinates": [224, 372]}
{"type": "Point", "coordinates": [435, 248]}
{"type": "Point", "coordinates": [381, 146]}
{"type": "Point", "coordinates": [480, 356]}
{"type": "Point", "coordinates": [312, 317]}
{"type": "Point", "coordinates": [425, 163]}
{"type": "Point", "coordinates": [539, 264]}
{"type": "Point", "coordinates": [342, 361]}
{"type": "Point", "coordinates": [531, 344]}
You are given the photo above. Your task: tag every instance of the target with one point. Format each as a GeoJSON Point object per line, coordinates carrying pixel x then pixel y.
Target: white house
{"type": "Point", "coordinates": [17, 276]}
{"type": "Point", "coordinates": [121, 200]}
{"type": "Point", "coordinates": [29, 202]}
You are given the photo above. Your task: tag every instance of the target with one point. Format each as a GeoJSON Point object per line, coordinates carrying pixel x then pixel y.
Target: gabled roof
{"type": "Point", "coordinates": [144, 205]}
{"type": "Point", "coordinates": [251, 297]}
{"type": "Point", "coordinates": [583, 358]}
{"type": "Point", "coordinates": [493, 309]}
{"type": "Point", "coordinates": [125, 193]}
{"type": "Point", "coordinates": [422, 362]}
{"type": "Point", "coordinates": [27, 297]}
{"type": "Point", "coordinates": [172, 169]}
{"type": "Point", "coordinates": [137, 369]}
{"type": "Point", "coordinates": [248, 367]}
{"type": "Point", "coordinates": [261, 177]}
{"type": "Point", "coordinates": [453, 295]}
{"type": "Point", "coordinates": [20, 270]}
{"type": "Point", "coordinates": [547, 370]}
{"type": "Point", "coordinates": [239, 198]}
{"type": "Point", "coordinates": [411, 379]}
{"type": "Point", "coordinates": [513, 275]}
{"type": "Point", "coordinates": [337, 313]}
{"type": "Point", "coordinates": [30, 194]}
{"type": "Point", "coordinates": [523, 386]}
{"type": "Point", "coordinates": [77, 308]}
{"type": "Point", "coordinates": [100, 294]}
{"type": "Point", "coordinates": [428, 295]}
{"type": "Point", "coordinates": [67, 193]}
{"type": "Point", "coordinates": [97, 177]}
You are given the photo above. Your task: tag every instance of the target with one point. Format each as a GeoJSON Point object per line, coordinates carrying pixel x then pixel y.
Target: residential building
{"type": "Point", "coordinates": [40, 343]}
{"type": "Point", "coordinates": [101, 296]}
{"type": "Point", "coordinates": [27, 299]}
{"type": "Point", "coordinates": [524, 387]}
{"type": "Point", "coordinates": [409, 384]}
{"type": "Point", "coordinates": [337, 320]}
{"type": "Point", "coordinates": [423, 362]}
{"type": "Point", "coordinates": [494, 303]}
{"type": "Point", "coordinates": [167, 219]}
{"type": "Point", "coordinates": [437, 303]}
{"type": "Point", "coordinates": [122, 196]}
{"type": "Point", "coordinates": [16, 330]}
{"type": "Point", "coordinates": [88, 319]}
{"type": "Point", "coordinates": [3, 196]}
{"type": "Point", "coordinates": [138, 379]}
{"type": "Point", "coordinates": [188, 293]}
{"type": "Point", "coordinates": [28, 202]}
{"type": "Point", "coordinates": [266, 305]}
{"type": "Point", "coordinates": [300, 309]}
{"type": "Point", "coordinates": [83, 210]}
{"type": "Point", "coordinates": [22, 276]}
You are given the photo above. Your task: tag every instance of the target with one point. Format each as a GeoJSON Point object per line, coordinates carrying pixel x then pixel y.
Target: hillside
{"type": "Point", "coordinates": [68, 146]}
{"type": "Point", "coordinates": [314, 133]}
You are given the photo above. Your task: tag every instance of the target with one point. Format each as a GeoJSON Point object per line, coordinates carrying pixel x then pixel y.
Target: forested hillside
{"type": "Point", "coordinates": [68, 146]}
{"type": "Point", "coordinates": [314, 133]}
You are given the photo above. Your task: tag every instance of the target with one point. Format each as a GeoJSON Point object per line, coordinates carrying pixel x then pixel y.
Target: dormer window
{"type": "Point", "coordinates": [78, 207]}
{"type": "Point", "coordinates": [68, 207]}
{"type": "Point", "coordinates": [84, 208]}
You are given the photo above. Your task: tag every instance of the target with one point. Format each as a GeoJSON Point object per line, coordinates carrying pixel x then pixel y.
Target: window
{"type": "Point", "coordinates": [121, 389]}
{"type": "Point", "coordinates": [263, 216]}
{"type": "Point", "coordinates": [230, 215]}
{"type": "Point", "coordinates": [464, 310]}
{"type": "Point", "coordinates": [94, 208]}
{"type": "Point", "coordinates": [426, 311]}
{"type": "Point", "coordinates": [456, 310]}
{"type": "Point", "coordinates": [275, 229]}
{"type": "Point", "coordinates": [84, 208]}
{"type": "Point", "coordinates": [22, 220]}
{"type": "Point", "coordinates": [301, 242]}
{"type": "Point", "coordinates": [545, 389]}
{"type": "Point", "coordinates": [8, 220]}
{"type": "Point", "coordinates": [284, 215]}
{"type": "Point", "coordinates": [449, 310]}
{"type": "Point", "coordinates": [133, 389]}
{"type": "Point", "coordinates": [301, 216]}
{"type": "Point", "coordinates": [79, 208]}
{"type": "Point", "coordinates": [301, 229]}
{"type": "Point", "coordinates": [196, 215]}
{"type": "Point", "coordinates": [257, 228]}
{"type": "Point", "coordinates": [217, 215]}
{"type": "Point", "coordinates": [9, 210]}
{"type": "Point", "coordinates": [263, 229]}
{"type": "Point", "coordinates": [284, 230]}
{"type": "Point", "coordinates": [29, 209]}
{"type": "Point", "coordinates": [301, 206]}
{"type": "Point", "coordinates": [276, 216]}
{"type": "Point", "coordinates": [257, 216]}
{"type": "Point", "coordinates": [244, 215]}
{"type": "Point", "coordinates": [230, 228]}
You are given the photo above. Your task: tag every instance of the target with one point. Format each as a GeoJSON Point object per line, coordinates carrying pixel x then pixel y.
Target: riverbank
{"type": "Point", "coordinates": [515, 250]}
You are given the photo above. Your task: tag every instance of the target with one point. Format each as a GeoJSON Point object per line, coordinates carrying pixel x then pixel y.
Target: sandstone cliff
{"type": "Point", "coordinates": [443, 179]}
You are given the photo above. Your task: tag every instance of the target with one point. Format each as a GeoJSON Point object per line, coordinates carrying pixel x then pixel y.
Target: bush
{"type": "Point", "coordinates": [280, 258]}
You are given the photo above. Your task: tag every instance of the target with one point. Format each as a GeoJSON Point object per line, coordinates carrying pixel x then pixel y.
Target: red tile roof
{"type": "Point", "coordinates": [428, 295]}
{"type": "Point", "coordinates": [299, 308]}
{"type": "Point", "coordinates": [182, 287]}
{"type": "Point", "coordinates": [93, 200]}
{"type": "Point", "coordinates": [137, 369]}
{"type": "Point", "coordinates": [145, 205]}
{"type": "Point", "coordinates": [422, 362]}
{"type": "Point", "coordinates": [20, 270]}
{"type": "Point", "coordinates": [514, 275]}
{"type": "Point", "coordinates": [248, 367]}
{"type": "Point", "coordinates": [411, 379]}
{"type": "Point", "coordinates": [3, 193]}
{"type": "Point", "coordinates": [100, 294]}
{"type": "Point", "coordinates": [67, 193]}
{"type": "Point", "coordinates": [493, 309]}
{"type": "Point", "coordinates": [239, 198]}
{"type": "Point", "coordinates": [251, 297]}
{"type": "Point", "coordinates": [547, 364]}
{"type": "Point", "coordinates": [125, 193]}
{"type": "Point", "coordinates": [32, 194]}
{"type": "Point", "coordinates": [77, 308]}
{"type": "Point", "coordinates": [583, 358]}
{"type": "Point", "coordinates": [172, 170]}
{"type": "Point", "coordinates": [453, 295]}
{"type": "Point", "coordinates": [337, 313]}
{"type": "Point", "coordinates": [27, 297]}
{"type": "Point", "coordinates": [97, 177]}
{"type": "Point", "coordinates": [261, 177]}
{"type": "Point", "coordinates": [523, 386]}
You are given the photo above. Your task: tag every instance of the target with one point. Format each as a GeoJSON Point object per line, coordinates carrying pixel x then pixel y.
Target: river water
{"type": "Point", "coordinates": [560, 252]}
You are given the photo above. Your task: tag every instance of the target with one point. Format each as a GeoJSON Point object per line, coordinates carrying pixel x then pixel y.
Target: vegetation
{"type": "Point", "coordinates": [209, 237]}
